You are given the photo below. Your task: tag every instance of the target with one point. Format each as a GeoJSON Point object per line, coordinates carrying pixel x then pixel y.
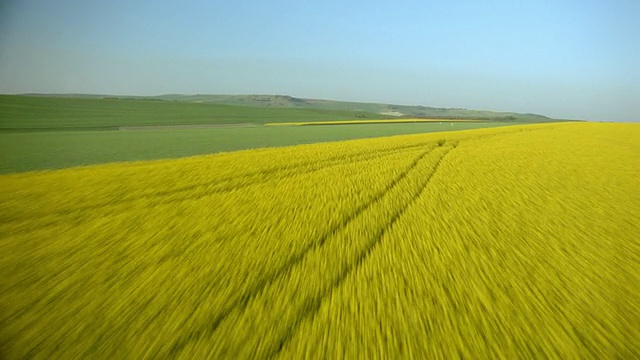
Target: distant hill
{"type": "Point", "coordinates": [389, 110]}
{"type": "Point", "coordinates": [98, 112]}
{"type": "Point", "coordinates": [285, 101]}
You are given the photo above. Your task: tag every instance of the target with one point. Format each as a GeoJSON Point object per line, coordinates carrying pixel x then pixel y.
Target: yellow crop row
{"type": "Point", "coordinates": [515, 242]}
{"type": "Point", "coordinates": [356, 122]}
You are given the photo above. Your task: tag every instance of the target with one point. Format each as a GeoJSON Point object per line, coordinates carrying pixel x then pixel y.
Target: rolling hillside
{"type": "Point", "coordinates": [357, 109]}
{"type": "Point", "coordinates": [89, 112]}
{"type": "Point", "coordinates": [283, 101]}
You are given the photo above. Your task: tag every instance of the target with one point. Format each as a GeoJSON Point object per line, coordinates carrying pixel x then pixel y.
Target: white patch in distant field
{"type": "Point", "coordinates": [392, 113]}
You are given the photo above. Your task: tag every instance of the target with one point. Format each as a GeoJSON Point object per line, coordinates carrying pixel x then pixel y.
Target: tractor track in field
{"type": "Point", "coordinates": [164, 201]}
{"type": "Point", "coordinates": [323, 164]}
{"type": "Point", "coordinates": [223, 185]}
{"type": "Point", "coordinates": [226, 185]}
{"type": "Point", "coordinates": [339, 159]}
{"type": "Point", "coordinates": [313, 305]}
{"type": "Point", "coordinates": [24, 223]}
{"type": "Point", "coordinates": [246, 298]}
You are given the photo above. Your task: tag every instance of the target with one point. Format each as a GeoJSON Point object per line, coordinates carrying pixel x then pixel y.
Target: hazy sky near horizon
{"type": "Point", "coordinates": [564, 59]}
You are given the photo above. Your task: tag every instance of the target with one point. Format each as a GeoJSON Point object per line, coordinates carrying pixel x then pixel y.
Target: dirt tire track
{"type": "Point", "coordinates": [313, 306]}
{"type": "Point", "coordinates": [225, 185]}
{"type": "Point", "coordinates": [333, 161]}
{"type": "Point", "coordinates": [286, 268]}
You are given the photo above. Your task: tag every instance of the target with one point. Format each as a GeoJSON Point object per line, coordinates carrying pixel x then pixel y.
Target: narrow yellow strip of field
{"type": "Point", "coordinates": [360, 122]}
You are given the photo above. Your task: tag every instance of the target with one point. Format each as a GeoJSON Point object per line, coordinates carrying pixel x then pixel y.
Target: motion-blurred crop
{"type": "Point", "coordinates": [513, 242]}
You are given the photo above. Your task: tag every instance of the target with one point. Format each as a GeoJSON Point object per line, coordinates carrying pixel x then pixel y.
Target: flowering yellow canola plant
{"type": "Point", "coordinates": [513, 242]}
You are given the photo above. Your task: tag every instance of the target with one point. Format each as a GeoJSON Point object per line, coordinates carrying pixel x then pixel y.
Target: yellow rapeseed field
{"type": "Point", "coordinates": [512, 242]}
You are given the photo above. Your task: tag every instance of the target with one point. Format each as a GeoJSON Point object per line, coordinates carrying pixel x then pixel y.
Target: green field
{"type": "Point", "coordinates": [38, 133]}
{"type": "Point", "coordinates": [21, 113]}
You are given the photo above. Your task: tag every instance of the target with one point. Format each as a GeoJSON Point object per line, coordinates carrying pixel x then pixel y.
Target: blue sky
{"type": "Point", "coordinates": [565, 59]}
